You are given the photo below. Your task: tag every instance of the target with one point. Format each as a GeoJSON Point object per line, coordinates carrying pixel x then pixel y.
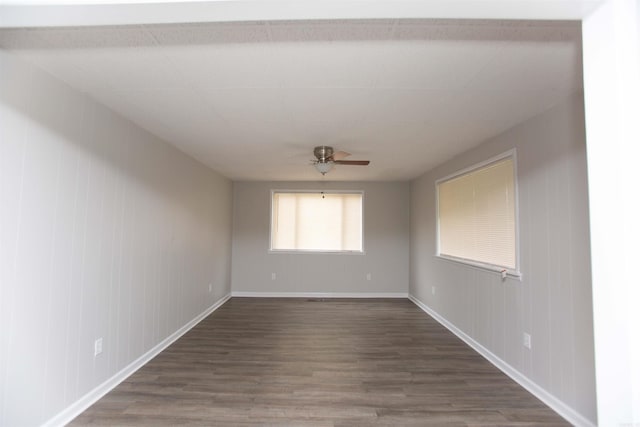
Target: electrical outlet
{"type": "Point", "coordinates": [526, 340]}
{"type": "Point", "coordinates": [97, 347]}
{"type": "Point", "coordinates": [433, 290]}
{"type": "Point", "coordinates": [368, 276]}
{"type": "Point", "coordinates": [210, 287]}
{"type": "Point", "coordinates": [273, 276]}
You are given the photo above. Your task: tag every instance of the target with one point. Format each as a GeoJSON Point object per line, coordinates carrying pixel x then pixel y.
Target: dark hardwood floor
{"type": "Point", "coordinates": [336, 362]}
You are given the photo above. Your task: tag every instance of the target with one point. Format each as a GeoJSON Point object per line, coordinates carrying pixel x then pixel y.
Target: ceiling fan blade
{"type": "Point", "coordinates": [352, 162]}
{"type": "Point", "coordinates": [340, 155]}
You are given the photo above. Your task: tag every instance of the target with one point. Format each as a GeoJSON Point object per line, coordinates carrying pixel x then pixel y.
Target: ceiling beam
{"type": "Point", "coordinates": [33, 13]}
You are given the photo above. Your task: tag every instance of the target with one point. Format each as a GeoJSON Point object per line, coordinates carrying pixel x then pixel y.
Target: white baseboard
{"type": "Point", "coordinates": [550, 400]}
{"type": "Point", "coordinates": [320, 294]}
{"type": "Point", "coordinates": [80, 405]}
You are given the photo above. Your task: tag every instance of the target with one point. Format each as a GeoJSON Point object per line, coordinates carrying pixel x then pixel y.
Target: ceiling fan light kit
{"type": "Point", "coordinates": [323, 168]}
{"type": "Point", "coordinates": [326, 158]}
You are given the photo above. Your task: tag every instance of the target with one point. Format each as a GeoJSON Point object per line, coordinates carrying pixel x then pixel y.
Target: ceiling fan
{"type": "Point", "coordinates": [327, 158]}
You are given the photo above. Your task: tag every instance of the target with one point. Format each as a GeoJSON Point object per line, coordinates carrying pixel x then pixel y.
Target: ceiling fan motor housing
{"type": "Point", "coordinates": [323, 153]}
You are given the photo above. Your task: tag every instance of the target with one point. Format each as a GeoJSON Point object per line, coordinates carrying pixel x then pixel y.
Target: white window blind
{"type": "Point", "coordinates": [316, 221]}
{"type": "Point", "coordinates": [476, 215]}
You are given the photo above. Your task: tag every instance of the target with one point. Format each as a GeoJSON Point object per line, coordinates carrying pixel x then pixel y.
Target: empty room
{"type": "Point", "coordinates": [371, 212]}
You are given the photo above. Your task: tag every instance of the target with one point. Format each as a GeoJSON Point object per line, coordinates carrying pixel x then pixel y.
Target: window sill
{"type": "Point", "coordinates": [312, 252]}
{"type": "Point", "coordinates": [509, 273]}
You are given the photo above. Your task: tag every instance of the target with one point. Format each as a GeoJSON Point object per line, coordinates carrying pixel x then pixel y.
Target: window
{"type": "Point", "coordinates": [477, 215]}
{"type": "Point", "coordinates": [316, 221]}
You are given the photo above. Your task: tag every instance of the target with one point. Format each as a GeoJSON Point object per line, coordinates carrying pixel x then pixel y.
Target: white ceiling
{"type": "Point", "coordinates": [252, 99]}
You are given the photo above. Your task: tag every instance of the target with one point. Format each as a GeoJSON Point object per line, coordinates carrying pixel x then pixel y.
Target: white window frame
{"type": "Point", "coordinates": [312, 251]}
{"type": "Point", "coordinates": [511, 272]}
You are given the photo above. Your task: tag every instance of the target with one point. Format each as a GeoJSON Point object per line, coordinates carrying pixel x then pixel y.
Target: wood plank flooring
{"type": "Point", "coordinates": [335, 362]}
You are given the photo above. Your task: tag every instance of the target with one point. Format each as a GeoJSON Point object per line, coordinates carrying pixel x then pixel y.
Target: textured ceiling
{"type": "Point", "coordinates": [251, 100]}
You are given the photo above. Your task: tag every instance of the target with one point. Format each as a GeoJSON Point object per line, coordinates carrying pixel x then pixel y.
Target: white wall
{"type": "Point", "coordinates": [105, 231]}
{"type": "Point", "coordinates": [611, 38]}
{"type": "Point", "coordinates": [386, 244]}
{"type": "Point", "coordinates": [553, 301]}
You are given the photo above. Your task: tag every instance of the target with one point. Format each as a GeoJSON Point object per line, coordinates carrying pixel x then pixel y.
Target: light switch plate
{"type": "Point", "coordinates": [526, 340]}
